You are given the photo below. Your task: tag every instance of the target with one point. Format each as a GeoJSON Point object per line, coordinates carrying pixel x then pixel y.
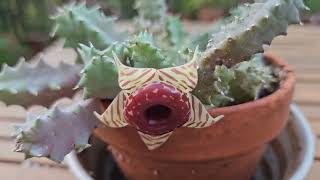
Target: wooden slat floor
{"type": "Point", "coordinates": [301, 48]}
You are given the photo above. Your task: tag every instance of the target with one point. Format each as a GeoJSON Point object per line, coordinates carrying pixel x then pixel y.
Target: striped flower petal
{"type": "Point", "coordinates": [184, 77]}
{"type": "Point", "coordinates": [113, 116]}
{"type": "Point", "coordinates": [153, 142]}
{"type": "Point", "coordinates": [200, 118]}
{"type": "Point", "coordinates": [133, 78]}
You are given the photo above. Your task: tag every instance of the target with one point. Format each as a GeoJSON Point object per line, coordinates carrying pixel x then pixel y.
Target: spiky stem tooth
{"type": "Point", "coordinates": [27, 84]}
{"type": "Point", "coordinates": [58, 132]}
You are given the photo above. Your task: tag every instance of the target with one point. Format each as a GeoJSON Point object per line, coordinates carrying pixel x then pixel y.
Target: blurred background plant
{"type": "Point", "coordinates": [314, 6]}
{"type": "Point", "coordinates": [25, 24]}
{"type": "Point", "coordinates": [191, 9]}
{"type": "Point", "coordinates": [201, 8]}
{"type": "Point", "coordinates": [24, 28]}
{"type": "Point", "coordinates": [314, 14]}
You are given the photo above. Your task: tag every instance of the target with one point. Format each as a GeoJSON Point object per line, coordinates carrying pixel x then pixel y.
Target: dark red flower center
{"type": "Point", "coordinates": [157, 108]}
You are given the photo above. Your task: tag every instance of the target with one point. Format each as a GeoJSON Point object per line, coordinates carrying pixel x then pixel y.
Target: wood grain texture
{"type": "Point", "coordinates": [312, 112]}
{"type": "Point", "coordinates": [6, 129]}
{"type": "Point", "coordinates": [315, 171]}
{"type": "Point", "coordinates": [17, 172]}
{"type": "Point", "coordinates": [7, 155]}
{"type": "Point", "coordinates": [301, 48]}
{"type": "Point", "coordinates": [316, 129]}
{"type": "Point", "coordinates": [307, 94]}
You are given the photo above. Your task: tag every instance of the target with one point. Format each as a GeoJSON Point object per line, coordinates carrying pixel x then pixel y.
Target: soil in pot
{"type": "Point", "coordinates": [231, 149]}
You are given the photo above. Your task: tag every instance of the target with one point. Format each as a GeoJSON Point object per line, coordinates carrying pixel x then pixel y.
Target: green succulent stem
{"type": "Point", "coordinates": [151, 15]}
{"type": "Point", "coordinates": [100, 75]}
{"type": "Point", "coordinates": [243, 34]}
{"type": "Point", "coordinates": [29, 84]}
{"type": "Point", "coordinates": [79, 24]}
{"type": "Point", "coordinates": [247, 80]}
{"type": "Point", "coordinates": [57, 132]}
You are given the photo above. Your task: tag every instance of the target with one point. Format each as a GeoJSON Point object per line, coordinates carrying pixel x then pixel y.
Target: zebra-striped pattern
{"type": "Point", "coordinates": [183, 77]}
{"type": "Point", "coordinates": [133, 78]}
{"type": "Point", "coordinates": [200, 118]}
{"type": "Point", "coordinates": [153, 142]}
{"type": "Point", "coordinates": [113, 116]}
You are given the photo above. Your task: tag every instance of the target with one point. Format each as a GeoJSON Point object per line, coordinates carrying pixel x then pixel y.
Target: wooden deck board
{"type": "Point", "coordinates": [7, 155]}
{"type": "Point", "coordinates": [5, 129]}
{"type": "Point", "coordinates": [301, 48]}
{"type": "Point", "coordinates": [311, 112]}
{"type": "Point", "coordinates": [19, 172]}
{"type": "Point", "coordinates": [316, 129]}
{"type": "Point", "coordinates": [308, 77]}
{"type": "Point", "coordinates": [307, 93]}
{"type": "Point", "coordinates": [315, 172]}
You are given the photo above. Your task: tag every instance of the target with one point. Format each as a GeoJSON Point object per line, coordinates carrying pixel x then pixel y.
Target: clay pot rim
{"type": "Point", "coordinates": [286, 84]}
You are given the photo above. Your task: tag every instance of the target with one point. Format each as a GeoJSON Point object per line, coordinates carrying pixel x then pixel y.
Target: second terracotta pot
{"type": "Point", "coordinates": [228, 150]}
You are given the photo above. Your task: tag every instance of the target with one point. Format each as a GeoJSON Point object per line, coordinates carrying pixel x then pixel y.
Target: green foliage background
{"type": "Point", "coordinates": [190, 8]}
{"type": "Point", "coordinates": [21, 22]}
{"type": "Point", "coordinates": [314, 5]}
{"type": "Point", "coordinates": [25, 20]}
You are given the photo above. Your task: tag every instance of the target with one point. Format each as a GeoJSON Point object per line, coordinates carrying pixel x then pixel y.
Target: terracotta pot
{"type": "Point", "coordinates": [289, 156]}
{"type": "Point", "coordinates": [230, 149]}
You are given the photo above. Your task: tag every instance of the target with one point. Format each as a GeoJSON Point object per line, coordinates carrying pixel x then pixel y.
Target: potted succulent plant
{"type": "Point", "coordinates": [169, 107]}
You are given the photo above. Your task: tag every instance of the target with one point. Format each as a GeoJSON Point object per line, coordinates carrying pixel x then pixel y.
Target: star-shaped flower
{"type": "Point", "coordinates": [157, 101]}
